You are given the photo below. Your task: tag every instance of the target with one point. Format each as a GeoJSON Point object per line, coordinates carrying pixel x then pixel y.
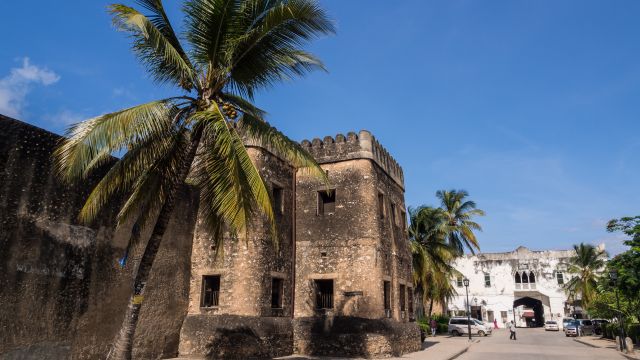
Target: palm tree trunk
{"type": "Point", "coordinates": [123, 346]}
{"type": "Point", "coordinates": [430, 307]}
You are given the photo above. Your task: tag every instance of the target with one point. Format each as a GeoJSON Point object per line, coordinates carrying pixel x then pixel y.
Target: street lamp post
{"type": "Point", "coordinates": [466, 285]}
{"type": "Point", "coordinates": [613, 276]}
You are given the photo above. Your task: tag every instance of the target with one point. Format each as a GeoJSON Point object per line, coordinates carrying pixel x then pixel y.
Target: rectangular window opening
{"type": "Point", "coordinates": [393, 214]}
{"type": "Point", "coordinates": [402, 298]}
{"type": "Point", "coordinates": [381, 205]}
{"type": "Point", "coordinates": [560, 278]}
{"type": "Point", "coordinates": [277, 291]}
{"type": "Point", "coordinates": [326, 202]}
{"type": "Point", "coordinates": [487, 280]}
{"type": "Point", "coordinates": [324, 294]}
{"type": "Point", "coordinates": [403, 217]}
{"type": "Point", "coordinates": [387, 298]}
{"type": "Point", "coordinates": [210, 291]}
{"type": "Point", "coordinates": [459, 281]}
{"type": "Point", "coordinates": [278, 197]}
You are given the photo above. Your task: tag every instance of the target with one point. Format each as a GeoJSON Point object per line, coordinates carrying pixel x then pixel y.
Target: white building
{"type": "Point", "coordinates": [523, 285]}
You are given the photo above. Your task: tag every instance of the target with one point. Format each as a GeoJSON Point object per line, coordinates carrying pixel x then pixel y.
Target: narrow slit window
{"type": "Point", "coordinates": [402, 298]}
{"type": "Point", "coordinates": [210, 291]}
{"type": "Point", "coordinates": [403, 218]}
{"type": "Point", "coordinates": [393, 214]}
{"type": "Point", "coordinates": [326, 202]}
{"type": "Point", "coordinates": [277, 290]}
{"type": "Point", "coordinates": [381, 205]}
{"type": "Point", "coordinates": [278, 198]}
{"type": "Point", "coordinates": [324, 294]}
{"type": "Point", "coordinates": [387, 298]}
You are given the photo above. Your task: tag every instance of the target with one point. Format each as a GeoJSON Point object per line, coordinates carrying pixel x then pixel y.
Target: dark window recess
{"type": "Point", "coordinates": [277, 289]}
{"type": "Point", "coordinates": [404, 219]}
{"type": "Point", "coordinates": [402, 298]}
{"type": "Point", "coordinates": [210, 291]}
{"type": "Point", "coordinates": [459, 281]}
{"type": "Point", "coordinates": [324, 294]}
{"type": "Point", "coordinates": [381, 205]}
{"type": "Point", "coordinates": [393, 214]}
{"type": "Point", "coordinates": [326, 202]}
{"type": "Point", "coordinates": [387, 298]}
{"type": "Point", "coordinates": [278, 200]}
{"type": "Point", "coordinates": [410, 300]}
{"type": "Point", "coordinates": [487, 280]}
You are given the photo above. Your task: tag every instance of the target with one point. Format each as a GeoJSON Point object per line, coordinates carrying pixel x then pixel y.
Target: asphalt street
{"type": "Point", "coordinates": [535, 344]}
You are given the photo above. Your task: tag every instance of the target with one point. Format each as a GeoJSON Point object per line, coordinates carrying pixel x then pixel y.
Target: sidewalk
{"type": "Point", "coordinates": [443, 347]}
{"type": "Point", "coordinates": [603, 343]}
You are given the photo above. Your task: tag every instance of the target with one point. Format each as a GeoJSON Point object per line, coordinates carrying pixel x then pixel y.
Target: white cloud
{"type": "Point", "coordinates": [65, 117]}
{"type": "Point", "coordinates": [15, 87]}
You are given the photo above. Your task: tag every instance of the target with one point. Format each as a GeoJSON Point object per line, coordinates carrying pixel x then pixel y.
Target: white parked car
{"type": "Point", "coordinates": [551, 326]}
{"type": "Point", "coordinates": [459, 326]}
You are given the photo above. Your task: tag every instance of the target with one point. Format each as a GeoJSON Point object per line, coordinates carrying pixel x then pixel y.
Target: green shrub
{"type": "Point", "coordinates": [441, 319]}
{"type": "Point", "coordinates": [633, 331]}
{"type": "Point", "coordinates": [443, 328]}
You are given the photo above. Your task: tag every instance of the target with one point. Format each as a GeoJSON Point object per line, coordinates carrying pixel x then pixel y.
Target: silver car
{"type": "Point", "coordinates": [579, 327]}
{"type": "Point", "coordinates": [459, 326]}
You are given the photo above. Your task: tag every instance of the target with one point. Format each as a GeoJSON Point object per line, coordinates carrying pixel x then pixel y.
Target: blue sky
{"type": "Point", "coordinates": [531, 106]}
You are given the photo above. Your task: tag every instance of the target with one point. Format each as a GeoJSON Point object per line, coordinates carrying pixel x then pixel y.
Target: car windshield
{"type": "Point", "coordinates": [478, 322]}
{"type": "Point", "coordinates": [551, 322]}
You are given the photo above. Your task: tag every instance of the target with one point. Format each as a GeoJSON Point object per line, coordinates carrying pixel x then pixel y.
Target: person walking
{"type": "Point", "coordinates": [434, 327]}
{"type": "Point", "coordinates": [495, 323]}
{"type": "Point", "coordinates": [512, 330]}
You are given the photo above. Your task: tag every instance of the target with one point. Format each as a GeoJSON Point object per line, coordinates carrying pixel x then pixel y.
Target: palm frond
{"type": "Point", "coordinates": [157, 48]}
{"type": "Point", "coordinates": [90, 143]}
{"type": "Point", "coordinates": [229, 181]}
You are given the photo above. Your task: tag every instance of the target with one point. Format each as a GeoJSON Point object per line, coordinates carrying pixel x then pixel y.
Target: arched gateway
{"type": "Point", "coordinates": [530, 308]}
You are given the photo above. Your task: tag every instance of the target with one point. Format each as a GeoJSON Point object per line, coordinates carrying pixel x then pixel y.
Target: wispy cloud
{"type": "Point", "coordinates": [65, 117]}
{"type": "Point", "coordinates": [15, 87]}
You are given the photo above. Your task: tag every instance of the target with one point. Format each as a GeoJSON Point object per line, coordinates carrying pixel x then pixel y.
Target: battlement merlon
{"type": "Point", "coordinates": [354, 146]}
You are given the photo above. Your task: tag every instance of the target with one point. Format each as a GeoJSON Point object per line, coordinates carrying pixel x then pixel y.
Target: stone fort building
{"type": "Point", "coordinates": [523, 286]}
{"type": "Point", "coordinates": [340, 282]}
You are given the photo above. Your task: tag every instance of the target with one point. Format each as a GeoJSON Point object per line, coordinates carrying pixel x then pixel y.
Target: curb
{"type": "Point", "coordinates": [598, 347]}
{"type": "Point", "coordinates": [586, 343]}
{"type": "Point", "coordinates": [456, 355]}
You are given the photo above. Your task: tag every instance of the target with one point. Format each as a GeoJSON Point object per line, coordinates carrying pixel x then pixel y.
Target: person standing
{"type": "Point", "coordinates": [434, 327]}
{"type": "Point", "coordinates": [512, 330]}
{"type": "Point", "coordinates": [495, 323]}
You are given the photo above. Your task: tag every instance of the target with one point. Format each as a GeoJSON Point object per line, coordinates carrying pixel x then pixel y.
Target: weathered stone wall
{"type": "Point", "coordinates": [62, 294]}
{"type": "Point", "coordinates": [246, 267]}
{"type": "Point", "coordinates": [357, 248]}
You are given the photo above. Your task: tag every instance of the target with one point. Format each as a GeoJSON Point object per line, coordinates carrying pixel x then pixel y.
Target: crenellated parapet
{"type": "Point", "coordinates": [354, 146]}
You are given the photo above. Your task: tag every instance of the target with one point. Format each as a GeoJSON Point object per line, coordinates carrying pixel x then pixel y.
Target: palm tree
{"type": "Point", "coordinates": [459, 226]}
{"type": "Point", "coordinates": [230, 49]}
{"type": "Point", "coordinates": [586, 267]}
{"type": "Point", "coordinates": [431, 256]}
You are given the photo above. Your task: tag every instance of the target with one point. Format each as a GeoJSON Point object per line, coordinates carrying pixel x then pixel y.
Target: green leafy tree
{"type": "Point", "coordinates": [586, 267]}
{"type": "Point", "coordinates": [230, 49]}
{"type": "Point", "coordinates": [627, 264]}
{"type": "Point", "coordinates": [459, 226]}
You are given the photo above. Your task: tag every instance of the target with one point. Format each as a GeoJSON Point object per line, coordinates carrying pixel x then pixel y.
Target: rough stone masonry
{"type": "Point", "coordinates": [338, 284]}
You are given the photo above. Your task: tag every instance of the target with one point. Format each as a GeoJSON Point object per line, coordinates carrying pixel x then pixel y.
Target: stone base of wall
{"type": "Point", "coordinates": [236, 337]}
{"type": "Point", "coordinates": [354, 337]}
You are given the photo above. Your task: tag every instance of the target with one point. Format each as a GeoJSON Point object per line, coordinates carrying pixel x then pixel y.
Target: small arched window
{"type": "Point", "coordinates": [518, 281]}
{"type": "Point", "coordinates": [532, 278]}
{"type": "Point", "coordinates": [525, 278]}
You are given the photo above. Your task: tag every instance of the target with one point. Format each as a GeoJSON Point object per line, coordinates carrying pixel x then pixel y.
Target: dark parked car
{"type": "Point", "coordinates": [597, 325]}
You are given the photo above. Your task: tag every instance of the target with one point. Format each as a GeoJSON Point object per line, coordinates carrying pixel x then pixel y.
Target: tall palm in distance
{"type": "Point", "coordinates": [459, 226]}
{"type": "Point", "coordinates": [230, 49]}
{"type": "Point", "coordinates": [585, 267]}
{"type": "Point", "coordinates": [432, 256]}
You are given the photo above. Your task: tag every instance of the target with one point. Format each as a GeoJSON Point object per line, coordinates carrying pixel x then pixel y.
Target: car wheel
{"type": "Point", "coordinates": [455, 333]}
{"type": "Point", "coordinates": [481, 333]}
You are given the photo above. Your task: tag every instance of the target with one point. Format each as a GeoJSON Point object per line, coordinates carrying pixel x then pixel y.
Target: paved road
{"type": "Point", "coordinates": [535, 344]}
